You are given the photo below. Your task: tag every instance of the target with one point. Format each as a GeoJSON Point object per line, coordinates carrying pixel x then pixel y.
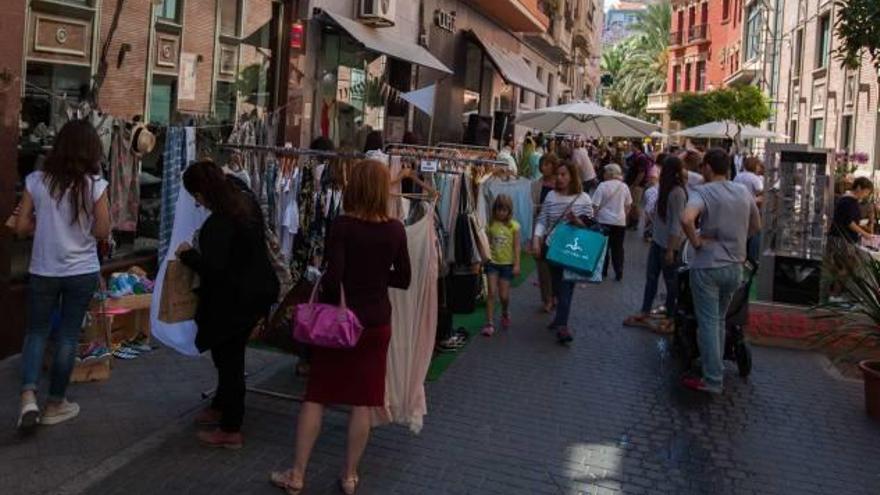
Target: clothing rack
{"type": "Point", "coordinates": [466, 147]}
{"type": "Point", "coordinates": [289, 151]}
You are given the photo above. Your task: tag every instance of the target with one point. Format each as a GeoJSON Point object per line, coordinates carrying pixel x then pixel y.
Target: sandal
{"type": "Point", "coordinates": [282, 479]}
{"type": "Point", "coordinates": [349, 486]}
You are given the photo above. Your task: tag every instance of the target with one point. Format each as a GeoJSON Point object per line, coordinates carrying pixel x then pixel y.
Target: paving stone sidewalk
{"type": "Point", "coordinates": [514, 414]}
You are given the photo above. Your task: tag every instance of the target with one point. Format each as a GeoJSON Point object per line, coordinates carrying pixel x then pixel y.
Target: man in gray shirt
{"type": "Point", "coordinates": [728, 217]}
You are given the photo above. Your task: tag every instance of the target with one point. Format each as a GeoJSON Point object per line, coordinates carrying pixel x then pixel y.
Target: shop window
{"type": "Point", "coordinates": [823, 41]}
{"type": "Point", "coordinates": [50, 90]}
{"type": "Point", "coordinates": [846, 133]}
{"type": "Point", "coordinates": [753, 31]}
{"type": "Point", "coordinates": [230, 17]}
{"type": "Point", "coordinates": [225, 102]}
{"type": "Point", "coordinates": [163, 98]}
{"type": "Point", "coordinates": [169, 10]}
{"type": "Point", "coordinates": [817, 133]}
{"type": "Point", "coordinates": [473, 67]}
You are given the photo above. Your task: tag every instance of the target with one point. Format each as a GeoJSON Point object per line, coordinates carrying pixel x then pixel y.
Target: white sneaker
{"type": "Point", "coordinates": [29, 417]}
{"type": "Point", "coordinates": [59, 414]}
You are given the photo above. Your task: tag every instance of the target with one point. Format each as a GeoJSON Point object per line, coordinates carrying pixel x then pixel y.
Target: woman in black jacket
{"type": "Point", "coordinates": [237, 285]}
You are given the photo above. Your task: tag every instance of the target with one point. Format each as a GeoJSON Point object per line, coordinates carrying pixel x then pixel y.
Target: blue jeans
{"type": "Point", "coordinates": [45, 294]}
{"type": "Point", "coordinates": [563, 291]}
{"type": "Point", "coordinates": [713, 289]}
{"type": "Point", "coordinates": [656, 265]}
{"type": "Point", "coordinates": [753, 247]}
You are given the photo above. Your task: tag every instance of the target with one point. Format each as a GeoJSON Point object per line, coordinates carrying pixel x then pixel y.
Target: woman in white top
{"type": "Point", "coordinates": [566, 203]}
{"type": "Point", "coordinates": [612, 202]}
{"type": "Point", "coordinates": [65, 206]}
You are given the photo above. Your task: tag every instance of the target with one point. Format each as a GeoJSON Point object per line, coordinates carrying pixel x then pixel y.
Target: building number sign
{"type": "Point", "coordinates": [445, 20]}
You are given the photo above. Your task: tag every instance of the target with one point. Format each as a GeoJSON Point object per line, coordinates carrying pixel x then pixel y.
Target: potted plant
{"type": "Point", "coordinates": [858, 309]}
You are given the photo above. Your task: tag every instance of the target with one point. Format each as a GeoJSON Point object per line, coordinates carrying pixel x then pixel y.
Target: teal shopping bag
{"type": "Point", "coordinates": [576, 248]}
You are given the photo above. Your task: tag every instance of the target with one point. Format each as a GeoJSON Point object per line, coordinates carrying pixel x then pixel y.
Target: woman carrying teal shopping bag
{"type": "Point", "coordinates": [567, 203]}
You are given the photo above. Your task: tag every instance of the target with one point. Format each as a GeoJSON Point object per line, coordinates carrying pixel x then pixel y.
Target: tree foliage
{"type": "Point", "coordinates": [858, 26]}
{"type": "Point", "coordinates": [745, 105]}
{"type": "Point", "coordinates": [639, 63]}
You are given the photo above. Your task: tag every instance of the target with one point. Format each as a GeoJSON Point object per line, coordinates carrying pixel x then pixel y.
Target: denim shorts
{"type": "Point", "coordinates": [505, 272]}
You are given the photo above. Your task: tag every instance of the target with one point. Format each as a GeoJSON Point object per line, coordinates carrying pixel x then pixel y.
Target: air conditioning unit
{"type": "Point", "coordinates": [378, 13]}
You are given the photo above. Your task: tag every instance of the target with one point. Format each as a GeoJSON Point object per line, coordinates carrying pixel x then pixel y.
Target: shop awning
{"type": "Point", "coordinates": [384, 41]}
{"type": "Point", "coordinates": [512, 67]}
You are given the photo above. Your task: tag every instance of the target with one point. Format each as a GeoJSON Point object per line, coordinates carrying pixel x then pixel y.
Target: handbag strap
{"type": "Point", "coordinates": [564, 213]}
{"type": "Point", "coordinates": [342, 303]}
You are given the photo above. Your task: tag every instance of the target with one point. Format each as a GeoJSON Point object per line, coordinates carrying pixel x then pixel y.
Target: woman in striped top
{"type": "Point", "coordinates": [566, 203]}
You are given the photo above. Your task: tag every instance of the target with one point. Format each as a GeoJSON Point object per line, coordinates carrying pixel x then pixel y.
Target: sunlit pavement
{"type": "Point", "coordinates": [519, 414]}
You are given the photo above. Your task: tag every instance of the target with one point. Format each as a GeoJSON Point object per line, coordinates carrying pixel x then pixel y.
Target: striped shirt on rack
{"type": "Point", "coordinates": [555, 205]}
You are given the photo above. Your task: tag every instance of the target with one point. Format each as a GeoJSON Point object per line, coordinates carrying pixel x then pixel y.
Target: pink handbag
{"type": "Point", "coordinates": [326, 325]}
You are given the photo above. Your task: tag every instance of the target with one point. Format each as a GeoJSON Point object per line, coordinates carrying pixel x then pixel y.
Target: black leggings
{"type": "Point", "coordinates": [616, 234]}
{"type": "Point", "coordinates": [228, 358]}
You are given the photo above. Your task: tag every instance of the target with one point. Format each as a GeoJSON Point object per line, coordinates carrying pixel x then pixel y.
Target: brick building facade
{"type": "Point", "coordinates": [821, 103]}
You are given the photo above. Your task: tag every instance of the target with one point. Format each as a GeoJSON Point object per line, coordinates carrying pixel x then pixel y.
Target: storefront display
{"type": "Point", "coordinates": [798, 206]}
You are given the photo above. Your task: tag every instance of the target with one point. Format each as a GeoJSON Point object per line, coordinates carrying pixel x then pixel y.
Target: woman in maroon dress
{"type": "Point", "coordinates": [366, 254]}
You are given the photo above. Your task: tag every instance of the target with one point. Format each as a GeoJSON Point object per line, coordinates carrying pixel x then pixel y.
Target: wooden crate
{"type": "Point", "coordinates": [91, 372]}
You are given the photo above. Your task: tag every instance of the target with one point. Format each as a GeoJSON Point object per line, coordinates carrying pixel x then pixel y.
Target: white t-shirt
{"type": "Point", "coordinates": [62, 248]}
{"type": "Point", "coordinates": [585, 167]}
{"type": "Point", "coordinates": [611, 198]}
{"type": "Point", "coordinates": [694, 179]}
{"type": "Point", "coordinates": [754, 183]}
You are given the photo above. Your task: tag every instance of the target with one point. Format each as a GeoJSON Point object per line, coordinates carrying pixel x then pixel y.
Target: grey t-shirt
{"type": "Point", "coordinates": [726, 208]}
{"type": "Point", "coordinates": [672, 226]}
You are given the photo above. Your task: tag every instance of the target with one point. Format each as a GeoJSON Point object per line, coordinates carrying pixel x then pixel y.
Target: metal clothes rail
{"type": "Point", "coordinates": [288, 151]}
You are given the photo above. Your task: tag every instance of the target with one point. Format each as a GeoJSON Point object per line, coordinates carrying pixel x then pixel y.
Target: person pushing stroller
{"type": "Point", "coordinates": [728, 217]}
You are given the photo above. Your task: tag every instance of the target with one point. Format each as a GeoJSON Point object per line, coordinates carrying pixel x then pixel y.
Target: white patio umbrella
{"type": "Point", "coordinates": [588, 119]}
{"type": "Point", "coordinates": [725, 129]}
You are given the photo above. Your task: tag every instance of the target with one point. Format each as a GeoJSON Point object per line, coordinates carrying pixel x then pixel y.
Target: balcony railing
{"type": "Point", "coordinates": [698, 33]}
{"type": "Point", "coordinates": [675, 38]}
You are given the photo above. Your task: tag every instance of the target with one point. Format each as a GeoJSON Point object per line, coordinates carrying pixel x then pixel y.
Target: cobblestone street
{"type": "Point", "coordinates": [514, 414]}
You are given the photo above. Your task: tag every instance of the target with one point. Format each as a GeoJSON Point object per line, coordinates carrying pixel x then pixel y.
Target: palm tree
{"type": "Point", "coordinates": [645, 63]}
{"type": "Point", "coordinates": [613, 61]}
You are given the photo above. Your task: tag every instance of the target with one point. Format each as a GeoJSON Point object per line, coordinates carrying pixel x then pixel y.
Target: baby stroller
{"type": "Point", "coordinates": [685, 334]}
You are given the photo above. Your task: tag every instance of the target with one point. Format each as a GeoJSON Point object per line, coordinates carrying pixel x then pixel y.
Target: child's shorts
{"type": "Point", "coordinates": [505, 272]}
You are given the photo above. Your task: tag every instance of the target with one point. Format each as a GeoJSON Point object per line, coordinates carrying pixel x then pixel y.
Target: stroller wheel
{"type": "Point", "coordinates": [743, 359]}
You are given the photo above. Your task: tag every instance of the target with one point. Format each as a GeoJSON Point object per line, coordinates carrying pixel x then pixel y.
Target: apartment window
{"type": "Point", "coordinates": [725, 10]}
{"type": "Point", "coordinates": [817, 133]}
{"type": "Point", "coordinates": [692, 16]}
{"type": "Point", "coordinates": [793, 131]}
{"type": "Point", "coordinates": [687, 77]}
{"type": "Point", "coordinates": [753, 31]}
{"type": "Point", "coordinates": [701, 76]}
{"type": "Point", "coordinates": [676, 78]}
{"type": "Point", "coordinates": [549, 87]}
{"type": "Point", "coordinates": [823, 41]}
{"type": "Point", "coordinates": [163, 96]}
{"type": "Point", "coordinates": [523, 94]}
{"type": "Point", "coordinates": [704, 14]}
{"type": "Point", "coordinates": [846, 133]}
{"type": "Point", "coordinates": [681, 27]}
{"type": "Point", "coordinates": [540, 74]}
{"type": "Point", "coordinates": [225, 102]}
{"type": "Point", "coordinates": [169, 10]}
{"type": "Point", "coordinates": [798, 54]}
{"type": "Point", "coordinates": [230, 17]}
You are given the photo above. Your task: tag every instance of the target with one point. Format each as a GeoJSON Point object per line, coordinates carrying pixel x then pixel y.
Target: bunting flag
{"type": "Point", "coordinates": [423, 99]}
